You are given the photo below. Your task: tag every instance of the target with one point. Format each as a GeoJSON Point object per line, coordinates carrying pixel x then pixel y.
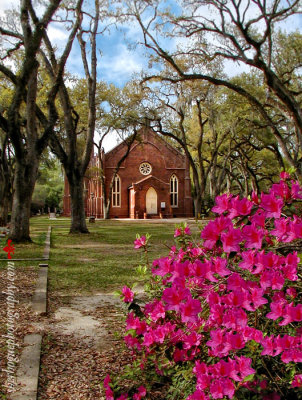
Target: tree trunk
{"type": "Point", "coordinates": [24, 184]}
{"type": "Point", "coordinates": [106, 209]}
{"type": "Point", "coordinates": [197, 205]}
{"type": "Point", "coordinates": [4, 207]}
{"type": "Point", "coordinates": [78, 221]}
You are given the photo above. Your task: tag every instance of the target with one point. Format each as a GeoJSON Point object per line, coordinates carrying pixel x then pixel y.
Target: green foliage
{"type": "Point", "coordinates": [49, 187]}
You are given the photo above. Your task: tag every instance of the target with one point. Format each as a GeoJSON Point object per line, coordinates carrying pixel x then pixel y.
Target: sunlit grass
{"type": "Point", "coordinates": [103, 260]}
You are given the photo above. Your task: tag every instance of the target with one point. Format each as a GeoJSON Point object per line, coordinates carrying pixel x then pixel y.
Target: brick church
{"type": "Point", "coordinates": [152, 182]}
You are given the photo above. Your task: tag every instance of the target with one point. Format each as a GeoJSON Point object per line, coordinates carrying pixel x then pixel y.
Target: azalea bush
{"type": "Point", "coordinates": [224, 316]}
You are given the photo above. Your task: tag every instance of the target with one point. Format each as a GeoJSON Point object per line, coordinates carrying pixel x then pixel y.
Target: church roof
{"type": "Point", "coordinates": [147, 178]}
{"type": "Point", "coordinates": [152, 132]}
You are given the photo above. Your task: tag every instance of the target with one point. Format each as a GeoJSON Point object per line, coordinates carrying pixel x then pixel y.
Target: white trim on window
{"type": "Point", "coordinates": [174, 191]}
{"type": "Point", "coordinates": [116, 192]}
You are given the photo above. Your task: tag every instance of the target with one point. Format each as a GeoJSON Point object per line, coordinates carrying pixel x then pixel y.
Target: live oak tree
{"type": "Point", "coordinates": [73, 143]}
{"type": "Point", "coordinates": [6, 177]}
{"type": "Point", "coordinates": [27, 126]}
{"type": "Point", "coordinates": [7, 158]}
{"type": "Point", "coordinates": [227, 146]}
{"type": "Point", "coordinates": [237, 32]}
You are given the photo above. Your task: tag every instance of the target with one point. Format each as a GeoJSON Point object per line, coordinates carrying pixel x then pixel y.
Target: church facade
{"type": "Point", "coordinates": [152, 182]}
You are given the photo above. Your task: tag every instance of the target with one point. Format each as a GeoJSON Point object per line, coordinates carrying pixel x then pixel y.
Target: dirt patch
{"type": "Point", "coordinates": [83, 343]}
{"type": "Point", "coordinates": [83, 318]}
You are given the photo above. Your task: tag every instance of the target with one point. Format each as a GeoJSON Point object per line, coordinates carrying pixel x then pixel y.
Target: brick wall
{"type": "Point", "coordinates": [165, 161]}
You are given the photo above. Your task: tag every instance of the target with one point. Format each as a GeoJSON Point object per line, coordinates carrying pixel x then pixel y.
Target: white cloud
{"type": "Point", "coordinates": [6, 5]}
{"type": "Point", "coordinates": [57, 33]}
{"type": "Point", "coordinates": [120, 65]}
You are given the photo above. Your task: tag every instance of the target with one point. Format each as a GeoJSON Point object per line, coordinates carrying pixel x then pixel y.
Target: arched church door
{"type": "Point", "coordinates": [151, 201]}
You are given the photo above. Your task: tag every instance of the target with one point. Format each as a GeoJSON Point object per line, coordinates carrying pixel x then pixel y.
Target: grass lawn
{"type": "Point", "coordinates": [103, 260]}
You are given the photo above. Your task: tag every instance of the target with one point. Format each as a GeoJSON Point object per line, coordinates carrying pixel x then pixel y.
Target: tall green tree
{"type": "Point", "coordinates": [237, 32]}
{"type": "Point", "coordinates": [26, 125]}
{"type": "Point", "coordinates": [72, 146]}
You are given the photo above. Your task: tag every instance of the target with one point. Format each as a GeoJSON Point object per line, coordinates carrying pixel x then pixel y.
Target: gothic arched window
{"type": "Point", "coordinates": [174, 191]}
{"type": "Point", "coordinates": [116, 192]}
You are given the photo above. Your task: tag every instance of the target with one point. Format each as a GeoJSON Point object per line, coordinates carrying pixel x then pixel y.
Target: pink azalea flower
{"type": "Point", "coordinates": [219, 266]}
{"type": "Point", "coordinates": [216, 389]}
{"type": "Point", "coordinates": [132, 342]}
{"type": "Point", "coordinates": [222, 387]}
{"type": "Point", "coordinates": [140, 242]}
{"type": "Point", "coordinates": [252, 334]}
{"type": "Point", "coordinates": [149, 339]}
{"type": "Point", "coordinates": [231, 239]}
{"type": "Point", "coordinates": [282, 190]}
{"type": "Point", "coordinates": [222, 203]}
{"type": "Point", "coordinates": [235, 319]}
{"type": "Point", "coordinates": [236, 341]}
{"type": "Point", "coordinates": [218, 343]}
{"type": "Point", "coordinates": [235, 282]}
{"type": "Point", "coordinates": [291, 292]}
{"type": "Point", "coordinates": [284, 175]}
{"type": "Point", "coordinates": [272, 279]}
{"type": "Point", "coordinates": [109, 394]}
{"type": "Point", "coordinates": [287, 315]}
{"type": "Point", "coordinates": [128, 295]}
{"type": "Point", "coordinates": [200, 369]}
{"type": "Point", "coordinates": [255, 299]}
{"type": "Point", "coordinates": [244, 366]}
{"type": "Point", "coordinates": [255, 197]}
{"type": "Point", "coordinates": [240, 207]}
{"type": "Point", "coordinates": [277, 280]}
{"type": "Point", "coordinates": [276, 310]}
{"type": "Point", "coordinates": [163, 266]}
{"type": "Point", "coordinates": [258, 219]}
{"type": "Point", "coordinates": [296, 230]}
{"type": "Point", "coordinates": [177, 232]}
{"type": "Point", "coordinates": [191, 340]}
{"type": "Point", "coordinates": [266, 261]}
{"type": "Point", "coordinates": [174, 296]}
{"type": "Point", "coordinates": [212, 231]}
{"type": "Point", "coordinates": [236, 298]}
{"type": "Point", "coordinates": [268, 346]}
{"type": "Point", "coordinates": [248, 260]}
{"type": "Point", "coordinates": [293, 355]}
{"type": "Point", "coordinates": [123, 396]}
{"type": "Point", "coordinates": [282, 230]}
{"type": "Point", "coordinates": [297, 381]}
{"type": "Point", "coordinates": [198, 395]}
{"type": "Point", "coordinates": [187, 231]}
{"type": "Point", "coordinates": [135, 323]}
{"type": "Point", "coordinates": [296, 190]}
{"type": "Point", "coordinates": [106, 381]}
{"type": "Point", "coordinates": [196, 252]}
{"type": "Point", "coordinates": [296, 313]}
{"type": "Point", "coordinates": [190, 310]}
{"type": "Point", "coordinates": [271, 205]}
{"type": "Point", "coordinates": [159, 335]}
{"type": "Point", "coordinates": [253, 236]}
{"type": "Point", "coordinates": [140, 394]}
{"type": "Point", "coordinates": [156, 310]}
